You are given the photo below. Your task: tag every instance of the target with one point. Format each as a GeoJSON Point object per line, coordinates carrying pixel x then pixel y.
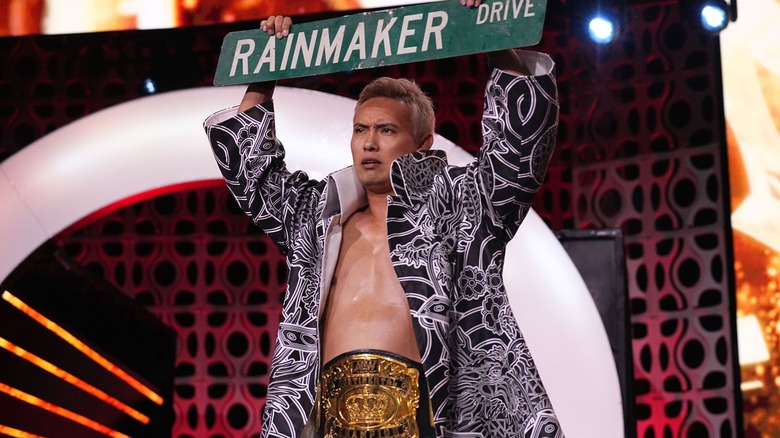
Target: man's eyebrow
{"type": "Point", "coordinates": [377, 125]}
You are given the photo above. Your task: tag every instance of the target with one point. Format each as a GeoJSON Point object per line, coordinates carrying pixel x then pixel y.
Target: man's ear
{"type": "Point", "coordinates": [426, 143]}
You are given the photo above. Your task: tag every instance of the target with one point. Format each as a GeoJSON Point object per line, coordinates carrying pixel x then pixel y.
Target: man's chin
{"type": "Point", "coordinates": [383, 188]}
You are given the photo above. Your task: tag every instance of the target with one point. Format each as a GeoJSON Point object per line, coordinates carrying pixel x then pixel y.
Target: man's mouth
{"type": "Point", "coordinates": [370, 163]}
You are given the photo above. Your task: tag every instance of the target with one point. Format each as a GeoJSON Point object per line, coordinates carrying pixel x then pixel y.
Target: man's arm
{"type": "Point", "coordinates": [519, 130]}
{"type": "Point", "coordinates": [251, 158]}
{"type": "Point", "coordinates": [508, 61]}
{"type": "Point", "coordinates": [257, 93]}
{"type": "Point", "coordinates": [261, 92]}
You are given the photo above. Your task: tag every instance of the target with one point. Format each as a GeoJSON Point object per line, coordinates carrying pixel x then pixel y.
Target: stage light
{"type": "Point", "coordinates": [58, 410]}
{"type": "Point", "coordinates": [601, 29]}
{"type": "Point", "coordinates": [82, 347]}
{"type": "Point", "coordinates": [16, 433]}
{"type": "Point", "coordinates": [73, 380]}
{"type": "Point", "coordinates": [751, 342]}
{"type": "Point", "coordinates": [714, 17]}
{"type": "Point", "coordinates": [602, 23]}
{"type": "Point", "coordinates": [149, 86]}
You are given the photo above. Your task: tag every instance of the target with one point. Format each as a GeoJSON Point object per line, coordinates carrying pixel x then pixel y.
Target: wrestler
{"type": "Point", "coordinates": [396, 322]}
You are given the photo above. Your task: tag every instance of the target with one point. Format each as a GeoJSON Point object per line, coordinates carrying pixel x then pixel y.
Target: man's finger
{"type": "Point", "coordinates": [269, 25]}
{"type": "Point", "coordinates": [278, 25]}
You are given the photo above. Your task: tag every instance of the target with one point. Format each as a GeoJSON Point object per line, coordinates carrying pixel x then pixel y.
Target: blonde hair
{"type": "Point", "coordinates": [420, 106]}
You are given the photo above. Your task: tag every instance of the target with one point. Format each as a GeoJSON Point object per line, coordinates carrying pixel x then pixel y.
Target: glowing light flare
{"type": "Point", "coordinates": [713, 18]}
{"type": "Point", "coordinates": [149, 86]}
{"type": "Point", "coordinates": [58, 410]}
{"type": "Point", "coordinates": [83, 348]}
{"type": "Point", "coordinates": [189, 5]}
{"type": "Point", "coordinates": [750, 341]}
{"type": "Point", "coordinates": [751, 385]}
{"type": "Point", "coordinates": [601, 30]}
{"type": "Point", "coordinates": [16, 433]}
{"type": "Point", "coordinates": [73, 380]}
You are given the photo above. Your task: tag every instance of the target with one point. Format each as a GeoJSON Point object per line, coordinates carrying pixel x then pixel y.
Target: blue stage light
{"type": "Point", "coordinates": [714, 16]}
{"type": "Point", "coordinates": [149, 86]}
{"type": "Point", "coordinates": [601, 29]}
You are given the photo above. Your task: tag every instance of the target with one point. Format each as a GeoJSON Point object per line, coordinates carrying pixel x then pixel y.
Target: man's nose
{"type": "Point", "coordinates": [369, 141]}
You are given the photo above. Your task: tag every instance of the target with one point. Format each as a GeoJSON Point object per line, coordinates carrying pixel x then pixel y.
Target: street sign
{"type": "Point", "coordinates": [373, 39]}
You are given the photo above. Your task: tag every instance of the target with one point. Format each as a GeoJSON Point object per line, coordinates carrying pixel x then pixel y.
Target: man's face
{"type": "Point", "coordinates": [382, 131]}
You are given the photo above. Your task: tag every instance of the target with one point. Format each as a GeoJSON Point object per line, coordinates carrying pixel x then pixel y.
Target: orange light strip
{"type": "Point", "coordinates": [82, 347]}
{"type": "Point", "coordinates": [16, 433]}
{"type": "Point", "coordinates": [62, 412]}
{"type": "Point", "coordinates": [73, 380]}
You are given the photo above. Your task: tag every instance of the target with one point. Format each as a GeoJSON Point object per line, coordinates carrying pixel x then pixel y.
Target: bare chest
{"type": "Point", "coordinates": [367, 307]}
{"type": "Point", "coordinates": [364, 269]}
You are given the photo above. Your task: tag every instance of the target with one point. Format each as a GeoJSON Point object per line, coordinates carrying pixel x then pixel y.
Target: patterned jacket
{"type": "Point", "coordinates": [447, 229]}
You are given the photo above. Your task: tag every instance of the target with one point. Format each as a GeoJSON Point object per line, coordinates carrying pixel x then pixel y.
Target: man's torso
{"type": "Point", "coordinates": [366, 308]}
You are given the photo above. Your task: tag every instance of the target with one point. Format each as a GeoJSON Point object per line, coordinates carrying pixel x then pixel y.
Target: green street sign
{"type": "Point", "coordinates": [373, 39]}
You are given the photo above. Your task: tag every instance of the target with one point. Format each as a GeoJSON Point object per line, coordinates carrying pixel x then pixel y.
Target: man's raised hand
{"type": "Point", "coordinates": [277, 24]}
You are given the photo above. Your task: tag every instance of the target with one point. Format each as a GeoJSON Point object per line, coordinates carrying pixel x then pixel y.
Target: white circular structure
{"type": "Point", "coordinates": [154, 144]}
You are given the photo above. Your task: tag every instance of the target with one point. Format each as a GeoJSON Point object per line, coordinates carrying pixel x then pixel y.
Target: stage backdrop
{"type": "Point", "coordinates": [640, 148]}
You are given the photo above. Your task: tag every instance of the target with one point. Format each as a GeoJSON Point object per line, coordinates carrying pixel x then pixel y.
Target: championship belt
{"type": "Point", "coordinates": [370, 394]}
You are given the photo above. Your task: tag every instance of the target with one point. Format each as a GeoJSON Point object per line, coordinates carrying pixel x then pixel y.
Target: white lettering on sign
{"type": "Point", "coordinates": [435, 29]}
{"type": "Point", "coordinates": [320, 47]}
{"type": "Point", "coordinates": [358, 42]}
{"type": "Point", "coordinates": [382, 37]}
{"type": "Point", "coordinates": [307, 48]}
{"type": "Point", "coordinates": [286, 55]}
{"type": "Point", "coordinates": [268, 56]}
{"type": "Point", "coordinates": [406, 32]}
{"type": "Point", "coordinates": [242, 56]}
{"type": "Point", "coordinates": [329, 50]}
{"type": "Point", "coordinates": [499, 11]}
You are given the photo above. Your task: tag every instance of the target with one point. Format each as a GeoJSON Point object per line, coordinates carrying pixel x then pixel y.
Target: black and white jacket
{"type": "Point", "coordinates": [447, 229]}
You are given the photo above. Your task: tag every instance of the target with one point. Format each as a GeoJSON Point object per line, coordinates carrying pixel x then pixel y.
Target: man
{"type": "Point", "coordinates": [396, 322]}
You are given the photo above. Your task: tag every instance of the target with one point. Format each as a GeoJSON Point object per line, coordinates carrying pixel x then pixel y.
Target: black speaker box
{"type": "Point", "coordinates": [600, 258]}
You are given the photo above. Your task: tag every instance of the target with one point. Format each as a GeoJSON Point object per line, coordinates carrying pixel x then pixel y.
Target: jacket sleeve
{"type": "Point", "coordinates": [251, 160]}
{"type": "Point", "coordinates": [519, 126]}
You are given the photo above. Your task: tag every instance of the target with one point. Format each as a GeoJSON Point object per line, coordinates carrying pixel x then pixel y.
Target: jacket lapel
{"type": "Point", "coordinates": [412, 175]}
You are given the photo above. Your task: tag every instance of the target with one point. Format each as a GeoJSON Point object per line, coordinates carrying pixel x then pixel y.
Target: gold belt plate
{"type": "Point", "coordinates": [369, 395]}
